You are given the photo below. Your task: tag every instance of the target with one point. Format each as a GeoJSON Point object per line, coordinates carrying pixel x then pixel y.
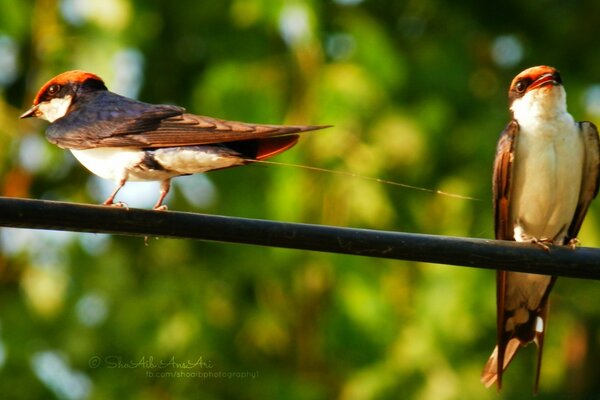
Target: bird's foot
{"type": "Point", "coordinates": [543, 243]}
{"type": "Point", "coordinates": [119, 204]}
{"type": "Point", "coordinates": [161, 207]}
{"type": "Point", "coordinates": [573, 243]}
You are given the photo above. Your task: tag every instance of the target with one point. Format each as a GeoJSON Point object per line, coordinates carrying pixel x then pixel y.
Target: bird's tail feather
{"type": "Point", "coordinates": [540, 333]}
{"type": "Point", "coordinates": [490, 371]}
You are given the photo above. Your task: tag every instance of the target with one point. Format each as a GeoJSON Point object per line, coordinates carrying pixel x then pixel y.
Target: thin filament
{"type": "Point", "coordinates": [367, 178]}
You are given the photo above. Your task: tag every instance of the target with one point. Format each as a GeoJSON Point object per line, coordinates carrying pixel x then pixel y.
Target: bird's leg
{"type": "Point", "coordinates": [111, 198]}
{"type": "Point", "coordinates": [164, 190]}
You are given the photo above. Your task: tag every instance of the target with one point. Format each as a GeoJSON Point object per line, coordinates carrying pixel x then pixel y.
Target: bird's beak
{"type": "Point", "coordinates": [544, 80]}
{"type": "Point", "coordinates": [32, 112]}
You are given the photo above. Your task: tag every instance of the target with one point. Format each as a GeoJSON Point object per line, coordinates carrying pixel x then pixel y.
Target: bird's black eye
{"type": "Point", "coordinates": [557, 77]}
{"type": "Point", "coordinates": [53, 89]}
{"type": "Point", "coordinates": [521, 86]}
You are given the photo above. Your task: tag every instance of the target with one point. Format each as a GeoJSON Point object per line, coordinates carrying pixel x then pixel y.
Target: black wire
{"type": "Point", "coordinates": [479, 253]}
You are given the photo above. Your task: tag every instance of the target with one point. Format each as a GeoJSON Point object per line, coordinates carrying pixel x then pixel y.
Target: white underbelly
{"type": "Point", "coordinates": [547, 180]}
{"type": "Point", "coordinates": [128, 164]}
{"type": "Point", "coordinates": [196, 159]}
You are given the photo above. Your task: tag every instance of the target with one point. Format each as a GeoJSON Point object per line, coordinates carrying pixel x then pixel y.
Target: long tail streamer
{"type": "Point", "coordinates": [367, 178]}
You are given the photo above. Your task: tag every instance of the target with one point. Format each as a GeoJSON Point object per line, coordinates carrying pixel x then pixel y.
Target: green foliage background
{"type": "Point", "coordinates": [417, 93]}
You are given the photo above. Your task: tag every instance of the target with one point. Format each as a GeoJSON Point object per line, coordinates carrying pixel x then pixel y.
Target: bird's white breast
{"type": "Point", "coordinates": [108, 162]}
{"type": "Point", "coordinates": [548, 170]}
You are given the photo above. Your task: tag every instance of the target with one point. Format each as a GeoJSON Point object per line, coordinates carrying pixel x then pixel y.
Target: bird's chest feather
{"type": "Point", "coordinates": [548, 170]}
{"type": "Point", "coordinates": [110, 163]}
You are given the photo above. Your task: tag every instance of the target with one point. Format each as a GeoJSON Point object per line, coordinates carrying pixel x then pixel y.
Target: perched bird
{"type": "Point", "coordinates": [122, 139]}
{"type": "Point", "coordinates": [545, 176]}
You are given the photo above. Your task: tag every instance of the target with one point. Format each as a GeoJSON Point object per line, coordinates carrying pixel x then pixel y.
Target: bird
{"type": "Point", "coordinates": [546, 173]}
{"type": "Point", "coordinates": [122, 139]}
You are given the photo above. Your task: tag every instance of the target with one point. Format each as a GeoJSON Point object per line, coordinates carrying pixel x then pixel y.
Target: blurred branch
{"type": "Point", "coordinates": [479, 253]}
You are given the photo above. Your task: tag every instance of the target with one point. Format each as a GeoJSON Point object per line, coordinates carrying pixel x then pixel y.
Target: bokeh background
{"type": "Point", "coordinates": [417, 93]}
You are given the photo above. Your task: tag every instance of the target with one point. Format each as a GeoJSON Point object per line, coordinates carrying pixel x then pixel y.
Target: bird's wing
{"type": "Point", "coordinates": [189, 130]}
{"type": "Point", "coordinates": [590, 179]}
{"type": "Point", "coordinates": [501, 186]}
{"type": "Point", "coordinates": [502, 181]}
{"type": "Point", "coordinates": [111, 120]}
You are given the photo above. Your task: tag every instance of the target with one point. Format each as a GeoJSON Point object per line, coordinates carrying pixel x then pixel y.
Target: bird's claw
{"type": "Point", "coordinates": [162, 207]}
{"type": "Point", "coordinates": [543, 243]}
{"type": "Point", "coordinates": [119, 204]}
{"type": "Point", "coordinates": [573, 243]}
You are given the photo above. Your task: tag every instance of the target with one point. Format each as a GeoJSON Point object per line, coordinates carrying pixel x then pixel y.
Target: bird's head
{"type": "Point", "coordinates": [537, 89]}
{"type": "Point", "coordinates": [55, 97]}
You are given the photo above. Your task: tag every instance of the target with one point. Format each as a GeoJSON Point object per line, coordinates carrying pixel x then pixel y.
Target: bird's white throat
{"type": "Point", "coordinates": [55, 108]}
{"type": "Point", "coordinates": [540, 104]}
